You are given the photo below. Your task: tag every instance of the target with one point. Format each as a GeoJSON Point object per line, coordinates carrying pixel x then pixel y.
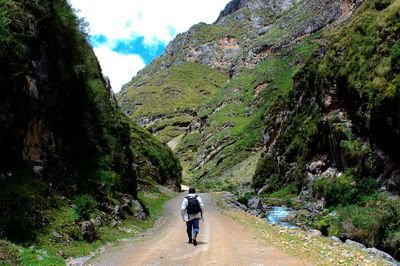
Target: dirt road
{"type": "Point", "coordinates": [221, 242]}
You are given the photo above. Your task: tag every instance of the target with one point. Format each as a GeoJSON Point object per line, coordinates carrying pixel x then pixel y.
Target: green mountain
{"type": "Point", "coordinates": [67, 152]}
{"type": "Point", "coordinates": [208, 92]}
{"type": "Point", "coordinates": [285, 99]}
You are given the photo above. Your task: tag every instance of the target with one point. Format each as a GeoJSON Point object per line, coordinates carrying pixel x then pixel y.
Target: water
{"type": "Point", "coordinates": [278, 215]}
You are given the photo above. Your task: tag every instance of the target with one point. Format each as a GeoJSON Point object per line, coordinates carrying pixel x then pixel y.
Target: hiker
{"type": "Point", "coordinates": [192, 212]}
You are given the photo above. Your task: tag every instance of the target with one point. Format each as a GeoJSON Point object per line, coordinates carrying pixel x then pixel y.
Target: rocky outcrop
{"type": "Point", "coordinates": [231, 7]}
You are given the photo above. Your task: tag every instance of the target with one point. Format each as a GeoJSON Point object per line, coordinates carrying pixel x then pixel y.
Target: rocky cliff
{"type": "Point", "coordinates": [65, 145]}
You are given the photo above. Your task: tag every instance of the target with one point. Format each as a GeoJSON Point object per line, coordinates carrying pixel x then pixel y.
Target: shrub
{"type": "Point", "coordinates": [361, 224]}
{"type": "Point", "coordinates": [245, 198]}
{"type": "Point", "coordinates": [266, 167]}
{"type": "Point", "coordinates": [85, 205]}
{"type": "Point", "coordinates": [345, 189]}
{"type": "Point", "coordinates": [354, 151]}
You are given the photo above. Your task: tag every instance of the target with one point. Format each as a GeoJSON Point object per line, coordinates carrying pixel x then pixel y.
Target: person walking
{"type": "Point", "coordinates": [191, 212]}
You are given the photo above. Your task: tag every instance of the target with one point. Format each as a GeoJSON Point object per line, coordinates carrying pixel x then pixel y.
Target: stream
{"type": "Point", "coordinates": [278, 215]}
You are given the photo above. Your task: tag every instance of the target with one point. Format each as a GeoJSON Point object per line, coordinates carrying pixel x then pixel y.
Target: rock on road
{"type": "Point", "coordinates": [221, 241]}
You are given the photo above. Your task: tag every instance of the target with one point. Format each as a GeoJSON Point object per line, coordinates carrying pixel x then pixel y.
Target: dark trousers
{"type": "Point", "coordinates": [192, 226]}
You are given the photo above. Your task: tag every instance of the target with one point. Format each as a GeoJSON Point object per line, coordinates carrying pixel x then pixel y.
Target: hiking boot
{"type": "Point", "coordinates": [194, 242]}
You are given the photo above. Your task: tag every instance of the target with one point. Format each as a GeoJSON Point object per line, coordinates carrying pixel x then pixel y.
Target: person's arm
{"type": "Point", "coordinates": [201, 207]}
{"type": "Point", "coordinates": [183, 210]}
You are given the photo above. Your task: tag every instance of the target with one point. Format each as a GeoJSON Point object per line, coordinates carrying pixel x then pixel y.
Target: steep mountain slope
{"type": "Point", "coordinates": [66, 149]}
{"type": "Point", "coordinates": [337, 136]}
{"type": "Point", "coordinates": [208, 92]}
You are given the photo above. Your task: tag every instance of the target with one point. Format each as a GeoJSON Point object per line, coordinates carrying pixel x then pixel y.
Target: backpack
{"type": "Point", "coordinates": [193, 206]}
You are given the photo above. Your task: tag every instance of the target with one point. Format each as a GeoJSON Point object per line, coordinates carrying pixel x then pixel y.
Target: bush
{"type": "Point", "coordinates": [85, 205]}
{"type": "Point", "coordinates": [361, 224]}
{"type": "Point", "coordinates": [245, 198]}
{"type": "Point", "coordinates": [375, 222]}
{"type": "Point", "coordinates": [266, 168]}
{"type": "Point", "coordinates": [345, 189]}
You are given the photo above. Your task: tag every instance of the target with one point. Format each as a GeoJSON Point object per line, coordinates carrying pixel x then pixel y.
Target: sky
{"type": "Point", "coordinates": [126, 35]}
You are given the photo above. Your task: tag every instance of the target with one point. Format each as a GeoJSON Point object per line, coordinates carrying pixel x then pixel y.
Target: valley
{"type": "Point", "coordinates": [277, 104]}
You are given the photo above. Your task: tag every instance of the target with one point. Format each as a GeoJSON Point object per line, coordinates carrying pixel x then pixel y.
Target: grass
{"type": "Point", "coordinates": [285, 196]}
{"type": "Point", "coordinates": [366, 62]}
{"type": "Point", "coordinates": [187, 87]}
{"type": "Point", "coordinates": [236, 114]}
{"type": "Point", "coordinates": [48, 251]}
{"type": "Point", "coordinates": [154, 158]}
{"type": "Point", "coordinates": [318, 250]}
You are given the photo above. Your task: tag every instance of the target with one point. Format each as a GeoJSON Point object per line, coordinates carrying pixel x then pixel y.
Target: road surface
{"type": "Point", "coordinates": [221, 241]}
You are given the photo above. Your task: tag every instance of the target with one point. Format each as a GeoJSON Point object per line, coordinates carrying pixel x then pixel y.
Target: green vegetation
{"type": "Point", "coordinates": [174, 97]}
{"type": "Point", "coordinates": [367, 54]}
{"type": "Point", "coordinates": [67, 183]}
{"type": "Point", "coordinates": [61, 239]}
{"type": "Point", "coordinates": [235, 118]}
{"type": "Point", "coordinates": [204, 33]}
{"type": "Point", "coordinates": [318, 250]}
{"type": "Point", "coordinates": [186, 87]}
{"type": "Point", "coordinates": [155, 159]}
{"type": "Point", "coordinates": [85, 205]}
{"type": "Point", "coordinates": [373, 221]}
{"type": "Point", "coordinates": [357, 65]}
{"type": "Point", "coordinates": [349, 188]}
{"type": "Point", "coordinates": [8, 253]}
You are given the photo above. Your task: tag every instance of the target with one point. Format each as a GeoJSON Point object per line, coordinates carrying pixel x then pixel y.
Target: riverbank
{"type": "Point", "coordinates": [297, 242]}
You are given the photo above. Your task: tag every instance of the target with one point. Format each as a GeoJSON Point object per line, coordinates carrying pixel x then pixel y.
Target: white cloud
{"type": "Point", "coordinates": [119, 68]}
{"type": "Point", "coordinates": [152, 19]}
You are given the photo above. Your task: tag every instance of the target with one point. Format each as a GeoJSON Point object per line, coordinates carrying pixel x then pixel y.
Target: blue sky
{"type": "Point", "coordinates": [128, 34]}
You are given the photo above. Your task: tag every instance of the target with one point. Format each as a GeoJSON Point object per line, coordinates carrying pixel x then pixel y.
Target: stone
{"type": "Point", "coordinates": [241, 206]}
{"type": "Point", "coordinates": [313, 233]}
{"type": "Point", "coordinates": [96, 221]}
{"type": "Point", "coordinates": [139, 212]}
{"type": "Point", "coordinates": [254, 212]}
{"type": "Point", "coordinates": [38, 169]}
{"type": "Point", "coordinates": [381, 254]}
{"type": "Point", "coordinates": [255, 203]}
{"type": "Point", "coordinates": [88, 230]}
{"type": "Point", "coordinates": [57, 235]}
{"type": "Point", "coordinates": [336, 239]}
{"type": "Point", "coordinates": [330, 172]}
{"type": "Point", "coordinates": [355, 244]}
{"type": "Point", "coordinates": [316, 167]}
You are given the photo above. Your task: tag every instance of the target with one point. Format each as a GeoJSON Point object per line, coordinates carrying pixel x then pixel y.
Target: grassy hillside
{"type": "Point", "coordinates": [234, 120]}
{"type": "Point", "coordinates": [167, 101]}
{"type": "Point", "coordinates": [207, 94]}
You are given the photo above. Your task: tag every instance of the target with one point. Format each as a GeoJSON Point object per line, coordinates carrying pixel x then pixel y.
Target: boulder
{"type": "Point", "coordinates": [355, 244]}
{"type": "Point", "coordinates": [255, 203]}
{"type": "Point", "coordinates": [336, 239]}
{"type": "Point", "coordinates": [138, 211]}
{"type": "Point", "coordinates": [97, 221]}
{"type": "Point", "coordinates": [313, 233]}
{"type": "Point", "coordinates": [316, 166]}
{"type": "Point", "coordinates": [381, 254]}
{"type": "Point", "coordinates": [254, 212]}
{"type": "Point", "coordinates": [88, 230]}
